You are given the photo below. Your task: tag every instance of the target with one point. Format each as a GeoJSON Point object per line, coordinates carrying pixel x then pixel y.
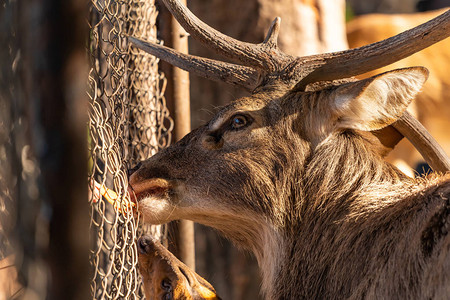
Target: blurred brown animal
{"type": "Point", "coordinates": [432, 105]}
{"type": "Point", "coordinates": [165, 277]}
{"type": "Point", "coordinates": [295, 172]}
{"type": "Point", "coordinates": [10, 288]}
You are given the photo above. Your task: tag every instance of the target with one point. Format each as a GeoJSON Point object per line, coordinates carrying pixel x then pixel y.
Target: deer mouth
{"type": "Point", "coordinates": [155, 188]}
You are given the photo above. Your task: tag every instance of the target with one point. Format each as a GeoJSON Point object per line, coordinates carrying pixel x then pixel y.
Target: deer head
{"type": "Point", "coordinates": [165, 277]}
{"type": "Point", "coordinates": [239, 171]}
{"type": "Point", "coordinates": [307, 136]}
{"type": "Point", "coordinates": [310, 95]}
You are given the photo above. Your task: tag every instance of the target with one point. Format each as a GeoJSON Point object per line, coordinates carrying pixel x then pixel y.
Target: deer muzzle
{"type": "Point", "coordinates": [153, 187]}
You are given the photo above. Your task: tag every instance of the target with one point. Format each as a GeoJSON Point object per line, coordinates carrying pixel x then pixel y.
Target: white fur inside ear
{"type": "Point", "coordinates": [378, 101]}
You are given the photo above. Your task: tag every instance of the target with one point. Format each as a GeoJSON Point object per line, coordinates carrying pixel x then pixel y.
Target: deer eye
{"type": "Point", "coordinates": [239, 121]}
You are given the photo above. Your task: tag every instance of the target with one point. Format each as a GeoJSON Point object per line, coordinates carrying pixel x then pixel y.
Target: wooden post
{"type": "Point", "coordinates": [179, 103]}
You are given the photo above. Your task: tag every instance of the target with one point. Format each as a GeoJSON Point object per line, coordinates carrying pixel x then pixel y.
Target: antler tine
{"type": "Point", "coordinates": [271, 40]}
{"type": "Point", "coordinates": [208, 68]}
{"type": "Point", "coordinates": [431, 151]}
{"type": "Point", "coordinates": [252, 55]}
{"type": "Point", "coordinates": [344, 64]}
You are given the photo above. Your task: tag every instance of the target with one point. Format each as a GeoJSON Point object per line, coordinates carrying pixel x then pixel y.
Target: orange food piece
{"type": "Point", "coordinates": [112, 197]}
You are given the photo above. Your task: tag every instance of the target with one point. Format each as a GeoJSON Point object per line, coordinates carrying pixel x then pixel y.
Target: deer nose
{"type": "Point", "coordinates": [134, 169]}
{"type": "Point", "coordinates": [144, 245]}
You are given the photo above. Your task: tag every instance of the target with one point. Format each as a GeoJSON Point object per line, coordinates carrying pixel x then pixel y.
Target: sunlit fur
{"type": "Point", "coordinates": [165, 277]}
{"type": "Point", "coordinates": [315, 202]}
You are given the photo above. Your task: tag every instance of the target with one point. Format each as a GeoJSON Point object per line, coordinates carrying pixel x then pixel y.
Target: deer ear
{"type": "Point", "coordinates": [377, 102]}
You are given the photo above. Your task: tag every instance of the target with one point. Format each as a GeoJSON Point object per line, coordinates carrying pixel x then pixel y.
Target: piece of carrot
{"type": "Point", "coordinates": [111, 196]}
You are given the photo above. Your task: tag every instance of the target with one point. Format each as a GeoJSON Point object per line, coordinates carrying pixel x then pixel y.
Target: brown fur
{"type": "Point", "coordinates": [10, 286]}
{"type": "Point", "coordinates": [165, 277]}
{"type": "Point", "coordinates": [313, 199]}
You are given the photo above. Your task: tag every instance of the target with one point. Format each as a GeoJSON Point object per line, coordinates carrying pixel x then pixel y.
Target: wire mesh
{"type": "Point", "coordinates": [128, 122]}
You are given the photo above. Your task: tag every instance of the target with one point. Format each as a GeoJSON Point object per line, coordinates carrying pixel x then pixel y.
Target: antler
{"type": "Point", "coordinates": [427, 146]}
{"type": "Point", "coordinates": [208, 68]}
{"type": "Point", "coordinates": [265, 56]}
{"type": "Point", "coordinates": [263, 63]}
{"type": "Point", "coordinates": [258, 59]}
{"type": "Point", "coordinates": [344, 64]}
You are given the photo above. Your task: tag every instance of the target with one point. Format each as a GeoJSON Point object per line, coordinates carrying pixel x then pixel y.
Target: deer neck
{"type": "Point", "coordinates": [345, 168]}
{"type": "Point", "coordinates": [341, 193]}
{"type": "Point", "coordinates": [324, 191]}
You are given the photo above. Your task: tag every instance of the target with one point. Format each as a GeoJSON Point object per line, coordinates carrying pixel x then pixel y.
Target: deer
{"type": "Point", "coordinates": [431, 106]}
{"type": "Point", "coordinates": [165, 277]}
{"type": "Point", "coordinates": [10, 286]}
{"type": "Point", "coordinates": [295, 172]}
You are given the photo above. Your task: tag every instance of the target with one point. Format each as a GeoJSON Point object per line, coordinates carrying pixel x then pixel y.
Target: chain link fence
{"type": "Point", "coordinates": [128, 122]}
{"type": "Point", "coordinates": [42, 191]}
